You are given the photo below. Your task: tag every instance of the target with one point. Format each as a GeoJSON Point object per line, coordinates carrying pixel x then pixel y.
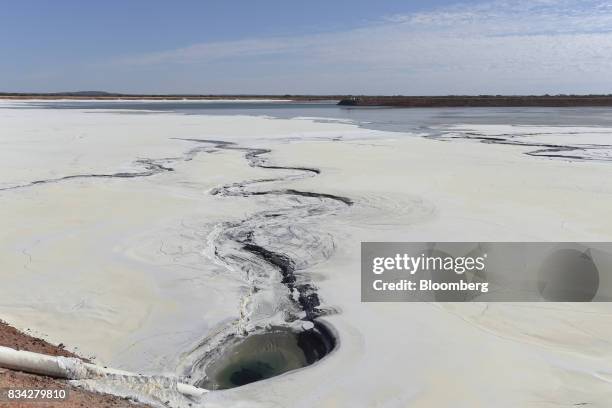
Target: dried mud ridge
{"type": "Point", "coordinates": [580, 152]}
{"type": "Point", "coordinates": [270, 249]}
{"type": "Point", "coordinates": [150, 167]}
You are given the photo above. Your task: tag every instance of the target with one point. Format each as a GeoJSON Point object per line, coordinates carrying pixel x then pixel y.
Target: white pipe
{"type": "Point", "coordinates": [69, 368]}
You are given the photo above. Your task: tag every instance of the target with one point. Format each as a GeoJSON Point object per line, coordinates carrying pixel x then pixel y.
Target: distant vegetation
{"type": "Point", "coordinates": [121, 96]}
{"type": "Point", "coordinates": [350, 100]}
{"type": "Point", "coordinates": [478, 101]}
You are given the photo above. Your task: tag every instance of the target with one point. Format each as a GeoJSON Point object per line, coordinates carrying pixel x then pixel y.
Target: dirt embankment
{"type": "Point", "coordinates": [478, 101]}
{"type": "Point", "coordinates": [11, 337]}
{"type": "Point", "coordinates": [169, 97]}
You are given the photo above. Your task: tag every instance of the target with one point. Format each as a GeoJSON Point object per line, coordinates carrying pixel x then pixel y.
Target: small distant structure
{"type": "Point", "coordinates": [349, 101]}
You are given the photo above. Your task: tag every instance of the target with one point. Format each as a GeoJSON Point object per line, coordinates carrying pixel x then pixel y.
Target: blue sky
{"type": "Point", "coordinates": [316, 46]}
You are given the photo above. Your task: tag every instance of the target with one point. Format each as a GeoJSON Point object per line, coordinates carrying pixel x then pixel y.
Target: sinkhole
{"type": "Point", "coordinates": [267, 354]}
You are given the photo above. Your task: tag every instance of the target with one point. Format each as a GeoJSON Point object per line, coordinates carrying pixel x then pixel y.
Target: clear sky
{"type": "Point", "coordinates": [314, 46]}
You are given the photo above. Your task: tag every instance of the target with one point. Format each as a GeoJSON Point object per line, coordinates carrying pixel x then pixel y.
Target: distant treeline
{"type": "Point", "coordinates": [351, 100]}
{"type": "Point", "coordinates": [479, 101]}
{"type": "Point", "coordinates": [110, 96]}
